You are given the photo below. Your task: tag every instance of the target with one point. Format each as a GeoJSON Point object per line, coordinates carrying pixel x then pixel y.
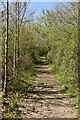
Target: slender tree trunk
{"type": "Point", "coordinates": [14, 69]}
{"type": "Point", "coordinates": [6, 52]}
{"type": "Point", "coordinates": [79, 60]}
{"type": "Point", "coordinates": [18, 34]}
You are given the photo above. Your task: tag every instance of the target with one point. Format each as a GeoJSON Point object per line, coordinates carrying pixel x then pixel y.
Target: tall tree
{"type": "Point", "coordinates": [6, 52]}
{"type": "Point", "coordinates": [15, 38]}
{"type": "Point", "coordinates": [18, 30]}
{"type": "Point", "coordinates": [79, 60]}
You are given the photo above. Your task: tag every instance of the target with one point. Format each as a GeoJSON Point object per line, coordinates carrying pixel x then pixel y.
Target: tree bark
{"type": "Point", "coordinates": [18, 34]}
{"type": "Point", "coordinates": [15, 38]}
{"type": "Point", "coordinates": [6, 52]}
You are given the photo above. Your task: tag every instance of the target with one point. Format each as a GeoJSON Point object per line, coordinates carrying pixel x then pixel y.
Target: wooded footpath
{"type": "Point", "coordinates": [24, 40]}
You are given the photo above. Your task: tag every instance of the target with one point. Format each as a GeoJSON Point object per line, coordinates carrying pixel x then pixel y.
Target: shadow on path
{"type": "Point", "coordinates": [45, 98]}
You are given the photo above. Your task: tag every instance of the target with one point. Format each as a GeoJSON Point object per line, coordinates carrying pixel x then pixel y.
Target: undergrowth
{"type": "Point", "coordinates": [16, 90]}
{"type": "Point", "coordinates": [70, 89]}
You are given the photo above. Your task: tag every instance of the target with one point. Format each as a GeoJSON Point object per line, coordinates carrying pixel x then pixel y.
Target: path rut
{"type": "Point", "coordinates": [45, 99]}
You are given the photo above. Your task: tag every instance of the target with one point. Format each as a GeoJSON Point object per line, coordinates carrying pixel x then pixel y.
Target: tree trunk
{"type": "Point", "coordinates": [15, 38]}
{"type": "Point", "coordinates": [18, 34]}
{"type": "Point", "coordinates": [79, 60]}
{"type": "Point", "coordinates": [6, 52]}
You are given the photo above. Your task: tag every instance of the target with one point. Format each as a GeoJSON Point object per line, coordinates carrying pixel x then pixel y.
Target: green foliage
{"type": "Point", "coordinates": [24, 71]}
{"type": "Point", "coordinates": [23, 81]}
{"type": "Point", "coordinates": [60, 31]}
{"type": "Point", "coordinates": [11, 111]}
{"type": "Point", "coordinates": [55, 36]}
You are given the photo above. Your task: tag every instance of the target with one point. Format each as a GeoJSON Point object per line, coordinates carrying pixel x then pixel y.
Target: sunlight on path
{"type": "Point", "coordinates": [45, 99]}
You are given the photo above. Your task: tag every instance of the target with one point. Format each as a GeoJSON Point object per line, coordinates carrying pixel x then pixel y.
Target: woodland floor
{"type": "Point", "coordinates": [46, 99]}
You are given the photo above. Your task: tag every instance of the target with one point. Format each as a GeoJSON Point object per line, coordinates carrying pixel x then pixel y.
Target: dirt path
{"type": "Point", "coordinates": [46, 100]}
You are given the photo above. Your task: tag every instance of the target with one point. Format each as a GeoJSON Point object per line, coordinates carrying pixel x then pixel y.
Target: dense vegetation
{"type": "Point", "coordinates": [54, 35]}
{"type": "Point", "coordinates": [60, 30]}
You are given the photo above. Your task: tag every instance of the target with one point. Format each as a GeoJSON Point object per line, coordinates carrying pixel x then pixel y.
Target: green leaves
{"type": "Point", "coordinates": [62, 40]}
